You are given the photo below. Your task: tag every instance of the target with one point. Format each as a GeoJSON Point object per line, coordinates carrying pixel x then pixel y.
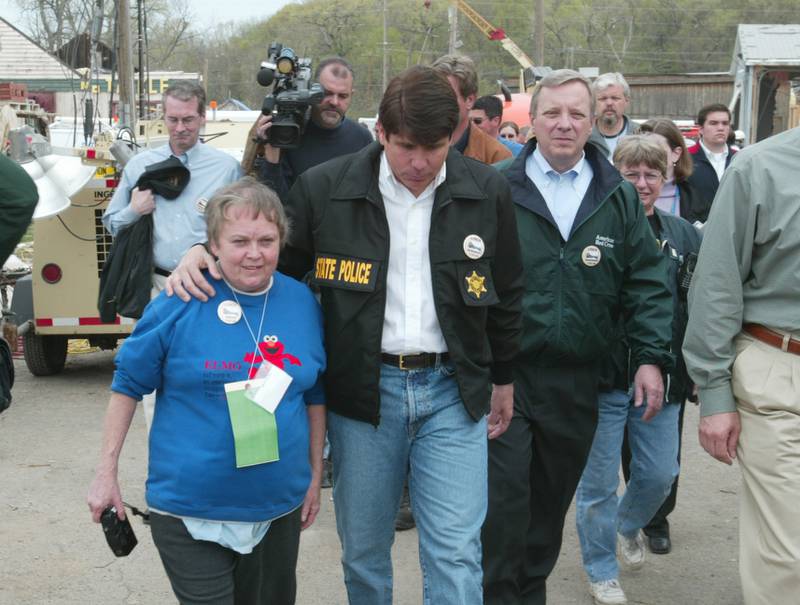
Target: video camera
{"type": "Point", "coordinates": [292, 95]}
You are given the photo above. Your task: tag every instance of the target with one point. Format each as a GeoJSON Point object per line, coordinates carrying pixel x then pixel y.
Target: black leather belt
{"type": "Point", "coordinates": [160, 271]}
{"type": "Point", "coordinates": [417, 361]}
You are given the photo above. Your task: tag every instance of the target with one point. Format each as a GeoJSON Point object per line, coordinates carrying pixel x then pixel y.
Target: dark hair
{"type": "Point", "coordinates": [510, 123]}
{"type": "Point", "coordinates": [419, 104]}
{"type": "Point", "coordinates": [492, 106]}
{"type": "Point", "coordinates": [341, 67]}
{"type": "Point", "coordinates": [667, 129]}
{"type": "Point", "coordinates": [186, 90]}
{"type": "Point", "coordinates": [703, 113]}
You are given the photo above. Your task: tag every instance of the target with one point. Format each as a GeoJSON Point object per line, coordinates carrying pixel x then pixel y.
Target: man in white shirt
{"type": "Point", "coordinates": [711, 155]}
{"type": "Point", "coordinates": [590, 261]}
{"type": "Point", "coordinates": [415, 251]}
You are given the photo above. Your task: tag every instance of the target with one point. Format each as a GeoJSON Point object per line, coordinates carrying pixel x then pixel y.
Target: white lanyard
{"type": "Point", "coordinates": [247, 323]}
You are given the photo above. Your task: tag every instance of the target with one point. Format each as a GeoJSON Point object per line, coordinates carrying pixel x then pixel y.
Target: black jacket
{"type": "Point", "coordinates": [693, 207]}
{"type": "Point", "coordinates": [340, 232]}
{"type": "Point", "coordinates": [677, 239]}
{"type": "Point", "coordinates": [704, 181]}
{"type": "Point", "coordinates": [127, 276]}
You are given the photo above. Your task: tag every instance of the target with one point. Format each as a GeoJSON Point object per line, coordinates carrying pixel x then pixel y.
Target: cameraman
{"type": "Point", "coordinates": [328, 133]}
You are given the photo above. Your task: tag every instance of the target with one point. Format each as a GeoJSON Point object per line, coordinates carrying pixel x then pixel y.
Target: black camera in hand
{"type": "Point", "coordinates": [119, 533]}
{"type": "Point", "coordinates": [291, 98]}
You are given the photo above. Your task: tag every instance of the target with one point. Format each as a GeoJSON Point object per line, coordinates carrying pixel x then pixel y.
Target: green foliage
{"type": "Point", "coordinates": [631, 36]}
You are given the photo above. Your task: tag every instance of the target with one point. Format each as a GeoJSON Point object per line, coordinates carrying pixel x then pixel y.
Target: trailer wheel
{"type": "Point", "coordinates": [45, 355]}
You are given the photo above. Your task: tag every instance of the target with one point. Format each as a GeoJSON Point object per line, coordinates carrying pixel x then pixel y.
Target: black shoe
{"type": "Point", "coordinates": [327, 473]}
{"type": "Point", "coordinates": [404, 519]}
{"type": "Point", "coordinates": [659, 545]}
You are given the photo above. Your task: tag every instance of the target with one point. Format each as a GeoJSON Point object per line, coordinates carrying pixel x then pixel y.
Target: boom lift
{"type": "Point", "coordinates": [527, 78]}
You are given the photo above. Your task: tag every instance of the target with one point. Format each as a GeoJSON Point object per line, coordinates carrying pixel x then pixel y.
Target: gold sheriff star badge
{"type": "Point", "coordinates": [475, 284]}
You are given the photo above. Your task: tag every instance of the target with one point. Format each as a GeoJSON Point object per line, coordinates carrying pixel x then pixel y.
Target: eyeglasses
{"type": "Point", "coordinates": [651, 178]}
{"type": "Point", "coordinates": [477, 121]}
{"type": "Point", "coordinates": [510, 135]}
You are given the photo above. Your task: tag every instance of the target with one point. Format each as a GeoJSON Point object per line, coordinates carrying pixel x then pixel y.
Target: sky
{"type": "Point", "coordinates": [208, 12]}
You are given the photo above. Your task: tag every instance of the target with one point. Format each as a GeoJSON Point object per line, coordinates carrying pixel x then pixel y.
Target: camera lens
{"type": "Point", "coordinates": [284, 135]}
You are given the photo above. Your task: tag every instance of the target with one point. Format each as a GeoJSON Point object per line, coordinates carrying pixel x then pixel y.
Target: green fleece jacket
{"type": "Point", "coordinates": [610, 267]}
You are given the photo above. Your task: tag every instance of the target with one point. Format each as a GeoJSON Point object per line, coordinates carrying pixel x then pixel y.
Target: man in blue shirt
{"type": "Point", "coordinates": [178, 224]}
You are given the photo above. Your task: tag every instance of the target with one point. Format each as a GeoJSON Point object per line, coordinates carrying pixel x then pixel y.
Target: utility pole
{"type": "Point", "coordinates": [140, 47]}
{"type": "Point", "coordinates": [127, 117]}
{"type": "Point", "coordinates": [538, 33]}
{"type": "Point", "coordinates": [452, 17]}
{"type": "Point", "coordinates": [385, 48]}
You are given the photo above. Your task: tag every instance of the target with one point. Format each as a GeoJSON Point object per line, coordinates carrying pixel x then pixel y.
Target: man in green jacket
{"type": "Point", "coordinates": [743, 352]}
{"type": "Point", "coordinates": [18, 198]}
{"type": "Point", "coordinates": [589, 258]}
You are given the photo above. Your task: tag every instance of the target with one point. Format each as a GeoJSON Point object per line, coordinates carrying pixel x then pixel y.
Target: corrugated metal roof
{"type": "Point", "coordinates": [769, 44]}
{"type": "Point", "coordinates": [21, 58]}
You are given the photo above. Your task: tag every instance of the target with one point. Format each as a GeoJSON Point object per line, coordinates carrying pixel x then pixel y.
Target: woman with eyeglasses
{"type": "Point", "coordinates": [603, 520]}
{"type": "Point", "coordinates": [677, 195]}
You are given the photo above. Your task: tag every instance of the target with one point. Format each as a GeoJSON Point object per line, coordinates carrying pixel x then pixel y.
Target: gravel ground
{"type": "Point", "coordinates": [51, 553]}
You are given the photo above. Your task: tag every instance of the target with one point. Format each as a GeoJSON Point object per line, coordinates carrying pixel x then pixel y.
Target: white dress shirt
{"type": "Point", "coordinates": [717, 160]}
{"type": "Point", "coordinates": [562, 192]}
{"type": "Point", "coordinates": [410, 324]}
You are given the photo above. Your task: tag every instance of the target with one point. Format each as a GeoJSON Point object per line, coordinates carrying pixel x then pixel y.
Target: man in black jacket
{"type": "Point", "coordinates": [711, 155]}
{"type": "Point", "coordinates": [328, 134]}
{"type": "Point", "coordinates": [416, 254]}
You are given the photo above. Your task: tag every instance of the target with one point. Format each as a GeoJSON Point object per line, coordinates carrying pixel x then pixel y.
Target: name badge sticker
{"type": "Point", "coordinates": [272, 384]}
{"type": "Point", "coordinates": [346, 272]}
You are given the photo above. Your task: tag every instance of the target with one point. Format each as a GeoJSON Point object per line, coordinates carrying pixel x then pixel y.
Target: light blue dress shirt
{"type": "Point", "coordinates": [179, 223]}
{"type": "Point", "coordinates": [562, 192]}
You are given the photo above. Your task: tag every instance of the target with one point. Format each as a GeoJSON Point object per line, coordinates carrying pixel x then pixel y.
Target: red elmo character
{"type": "Point", "coordinates": [271, 350]}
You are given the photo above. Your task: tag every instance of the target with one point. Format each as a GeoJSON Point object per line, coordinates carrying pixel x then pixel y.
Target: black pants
{"type": "Point", "coordinates": [658, 527]}
{"type": "Point", "coordinates": [204, 572]}
{"type": "Point", "coordinates": [534, 469]}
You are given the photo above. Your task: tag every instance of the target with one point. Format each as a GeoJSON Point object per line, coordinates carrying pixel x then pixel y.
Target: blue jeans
{"type": "Point", "coordinates": [424, 432]}
{"type": "Point", "coordinates": [599, 513]}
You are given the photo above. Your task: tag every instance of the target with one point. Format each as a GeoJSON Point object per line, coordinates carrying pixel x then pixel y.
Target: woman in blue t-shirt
{"type": "Point", "coordinates": [235, 449]}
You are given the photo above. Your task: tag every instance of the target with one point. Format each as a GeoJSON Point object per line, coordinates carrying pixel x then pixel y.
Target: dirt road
{"type": "Point", "coordinates": [51, 552]}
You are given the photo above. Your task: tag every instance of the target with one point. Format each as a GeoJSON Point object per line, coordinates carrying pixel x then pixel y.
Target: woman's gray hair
{"type": "Point", "coordinates": [636, 149]}
{"type": "Point", "coordinates": [248, 193]}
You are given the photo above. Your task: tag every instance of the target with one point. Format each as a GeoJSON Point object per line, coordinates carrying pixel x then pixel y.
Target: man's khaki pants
{"type": "Point", "coordinates": [149, 400]}
{"type": "Point", "coordinates": [766, 385]}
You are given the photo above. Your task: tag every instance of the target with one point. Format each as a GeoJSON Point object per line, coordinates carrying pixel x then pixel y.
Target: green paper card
{"type": "Point", "coordinates": [255, 433]}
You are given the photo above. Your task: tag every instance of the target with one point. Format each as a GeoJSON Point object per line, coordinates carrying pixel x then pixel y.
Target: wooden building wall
{"type": "Point", "coordinates": [677, 96]}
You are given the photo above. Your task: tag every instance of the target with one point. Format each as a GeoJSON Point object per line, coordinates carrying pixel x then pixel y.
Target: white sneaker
{"type": "Point", "coordinates": [631, 550]}
{"type": "Point", "coordinates": [607, 592]}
